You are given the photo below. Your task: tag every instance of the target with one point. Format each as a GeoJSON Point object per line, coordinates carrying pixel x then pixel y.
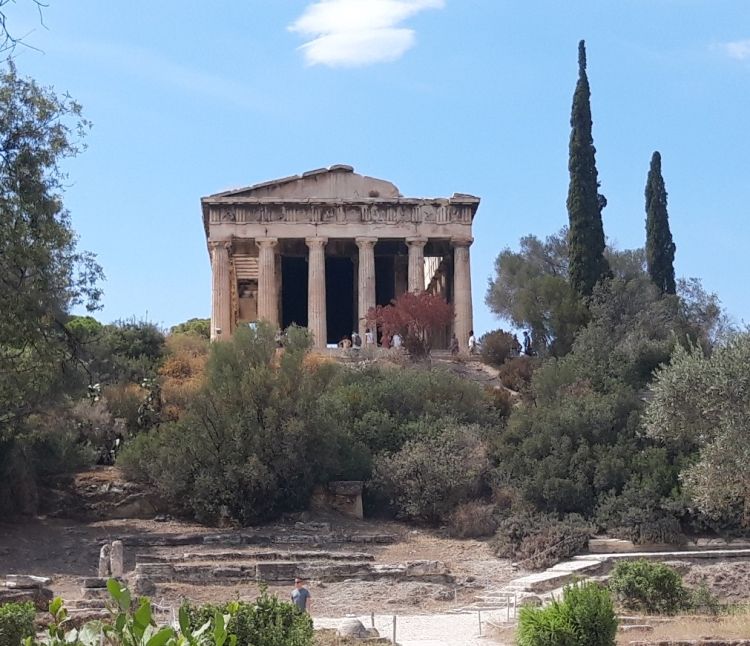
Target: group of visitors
{"type": "Point", "coordinates": [354, 342]}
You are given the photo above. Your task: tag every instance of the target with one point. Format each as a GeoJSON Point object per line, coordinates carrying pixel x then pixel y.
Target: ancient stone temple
{"type": "Point", "coordinates": [320, 249]}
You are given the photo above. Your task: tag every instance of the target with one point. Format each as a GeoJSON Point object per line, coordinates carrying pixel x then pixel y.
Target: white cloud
{"type": "Point", "coordinates": [739, 49]}
{"type": "Point", "coordinates": [349, 33]}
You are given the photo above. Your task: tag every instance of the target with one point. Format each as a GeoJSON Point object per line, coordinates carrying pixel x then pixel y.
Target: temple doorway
{"type": "Point", "coordinates": [385, 283]}
{"type": "Point", "coordinates": [294, 292]}
{"type": "Point", "coordinates": [339, 297]}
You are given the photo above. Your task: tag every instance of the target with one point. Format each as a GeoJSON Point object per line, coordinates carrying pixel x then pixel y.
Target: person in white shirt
{"type": "Point", "coordinates": [472, 343]}
{"type": "Point", "coordinates": [369, 337]}
{"type": "Point", "coordinates": [396, 340]}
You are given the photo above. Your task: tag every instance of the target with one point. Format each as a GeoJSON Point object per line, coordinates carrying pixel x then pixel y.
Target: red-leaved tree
{"type": "Point", "coordinates": [415, 318]}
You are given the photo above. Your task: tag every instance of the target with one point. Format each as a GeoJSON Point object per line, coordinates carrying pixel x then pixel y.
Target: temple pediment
{"type": "Point", "coordinates": [339, 181]}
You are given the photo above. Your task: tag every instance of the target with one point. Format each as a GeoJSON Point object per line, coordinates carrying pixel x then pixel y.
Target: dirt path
{"type": "Point", "coordinates": [425, 630]}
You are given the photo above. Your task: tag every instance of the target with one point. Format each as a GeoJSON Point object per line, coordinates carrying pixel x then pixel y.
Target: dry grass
{"type": "Point", "coordinates": [733, 626]}
{"type": "Point", "coordinates": [328, 637]}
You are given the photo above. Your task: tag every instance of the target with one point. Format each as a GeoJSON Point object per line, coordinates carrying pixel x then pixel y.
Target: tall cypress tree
{"type": "Point", "coordinates": [659, 245]}
{"type": "Point", "coordinates": [586, 233]}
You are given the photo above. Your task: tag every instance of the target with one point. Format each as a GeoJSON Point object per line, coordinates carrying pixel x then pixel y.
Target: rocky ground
{"type": "Point", "coordinates": [68, 550]}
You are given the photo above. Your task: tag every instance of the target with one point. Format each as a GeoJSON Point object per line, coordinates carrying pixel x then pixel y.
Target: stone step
{"type": "Point", "coordinates": [579, 566]}
{"type": "Point", "coordinates": [635, 628]}
{"type": "Point", "coordinates": [540, 581]}
{"type": "Point", "coordinates": [680, 554]}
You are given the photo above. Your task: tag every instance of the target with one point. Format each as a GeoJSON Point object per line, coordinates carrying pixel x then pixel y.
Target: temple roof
{"type": "Point", "coordinates": [339, 181]}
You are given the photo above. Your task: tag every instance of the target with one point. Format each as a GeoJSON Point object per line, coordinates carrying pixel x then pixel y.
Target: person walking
{"type": "Point", "coordinates": [301, 596]}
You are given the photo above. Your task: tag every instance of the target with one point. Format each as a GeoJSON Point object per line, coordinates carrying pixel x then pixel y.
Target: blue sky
{"type": "Point", "coordinates": [438, 96]}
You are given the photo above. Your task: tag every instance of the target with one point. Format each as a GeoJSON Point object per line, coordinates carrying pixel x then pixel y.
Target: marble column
{"type": "Point", "coordinates": [462, 291]}
{"type": "Point", "coordinates": [366, 282]}
{"type": "Point", "coordinates": [221, 293]}
{"type": "Point", "coordinates": [316, 291]}
{"type": "Point", "coordinates": [268, 307]}
{"type": "Point", "coordinates": [416, 263]}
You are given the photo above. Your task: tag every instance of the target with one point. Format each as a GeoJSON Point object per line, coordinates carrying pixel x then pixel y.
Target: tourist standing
{"type": "Point", "coordinates": [396, 340]}
{"type": "Point", "coordinates": [301, 596]}
{"type": "Point", "coordinates": [472, 343]}
{"type": "Point", "coordinates": [527, 348]}
{"type": "Point", "coordinates": [369, 338]}
{"type": "Point", "coordinates": [356, 341]}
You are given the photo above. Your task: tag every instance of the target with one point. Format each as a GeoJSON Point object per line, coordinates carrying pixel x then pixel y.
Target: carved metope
{"type": "Point", "coordinates": [348, 213]}
{"type": "Point", "coordinates": [316, 291]}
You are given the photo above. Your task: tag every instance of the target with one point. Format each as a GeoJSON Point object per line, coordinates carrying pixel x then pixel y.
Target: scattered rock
{"type": "Point", "coordinates": [352, 627]}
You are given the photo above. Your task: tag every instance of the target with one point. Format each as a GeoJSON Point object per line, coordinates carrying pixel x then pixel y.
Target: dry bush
{"type": "Point", "coordinates": [472, 520]}
{"type": "Point", "coordinates": [516, 373]}
{"type": "Point", "coordinates": [182, 371]}
{"type": "Point", "coordinates": [501, 400]}
{"type": "Point", "coordinates": [123, 400]}
{"type": "Point", "coordinates": [538, 541]}
{"type": "Point", "coordinates": [315, 360]}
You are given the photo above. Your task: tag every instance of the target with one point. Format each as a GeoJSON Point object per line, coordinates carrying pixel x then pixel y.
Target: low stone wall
{"type": "Point", "coordinates": [277, 572]}
{"type": "Point", "coordinates": [695, 642]}
{"type": "Point", "coordinates": [260, 539]}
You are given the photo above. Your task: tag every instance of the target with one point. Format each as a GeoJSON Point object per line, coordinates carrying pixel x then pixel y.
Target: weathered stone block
{"type": "Point", "coordinates": [117, 559]}
{"type": "Point", "coordinates": [25, 581]}
{"type": "Point", "coordinates": [226, 539]}
{"type": "Point", "coordinates": [157, 572]}
{"type": "Point", "coordinates": [94, 593]}
{"type": "Point", "coordinates": [143, 585]}
{"type": "Point", "coordinates": [94, 582]}
{"type": "Point", "coordinates": [276, 571]}
{"type": "Point", "coordinates": [324, 528]}
{"type": "Point", "coordinates": [104, 561]}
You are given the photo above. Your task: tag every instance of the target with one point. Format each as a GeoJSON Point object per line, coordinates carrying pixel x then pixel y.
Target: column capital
{"type": "Point", "coordinates": [219, 244]}
{"type": "Point", "coordinates": [364, 242]}
{"type": "Point", "coordinates": [462, 242]}
{"type": "Point", "coordinates": [266, 242]}
{"type": "Point", "coordinates": [316, 242]}
{"type": "Point", "coordinates": [416, 241]}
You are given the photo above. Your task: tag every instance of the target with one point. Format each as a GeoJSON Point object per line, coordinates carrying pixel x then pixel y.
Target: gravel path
{"type": "Point", "coordinates": [427, 630]}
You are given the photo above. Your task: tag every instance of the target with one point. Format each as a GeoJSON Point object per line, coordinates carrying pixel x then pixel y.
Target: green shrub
{"type": "Point", "coordinates": [430, 476]}
{"type": "Point", "coordinates": [538, 540]}
{"type": "Point", "coordinates": [584, 616]}
{"type": "Point", "coordinates": [703, 601]}
{"type": "Point", "coordinates": [648, 587]}
{"type": "Point", "coordinates": [267, 621]}
{"type": "Point", "coordinates": [16, 623]}
{"type": "Point", "coordinates": [498, 346]}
